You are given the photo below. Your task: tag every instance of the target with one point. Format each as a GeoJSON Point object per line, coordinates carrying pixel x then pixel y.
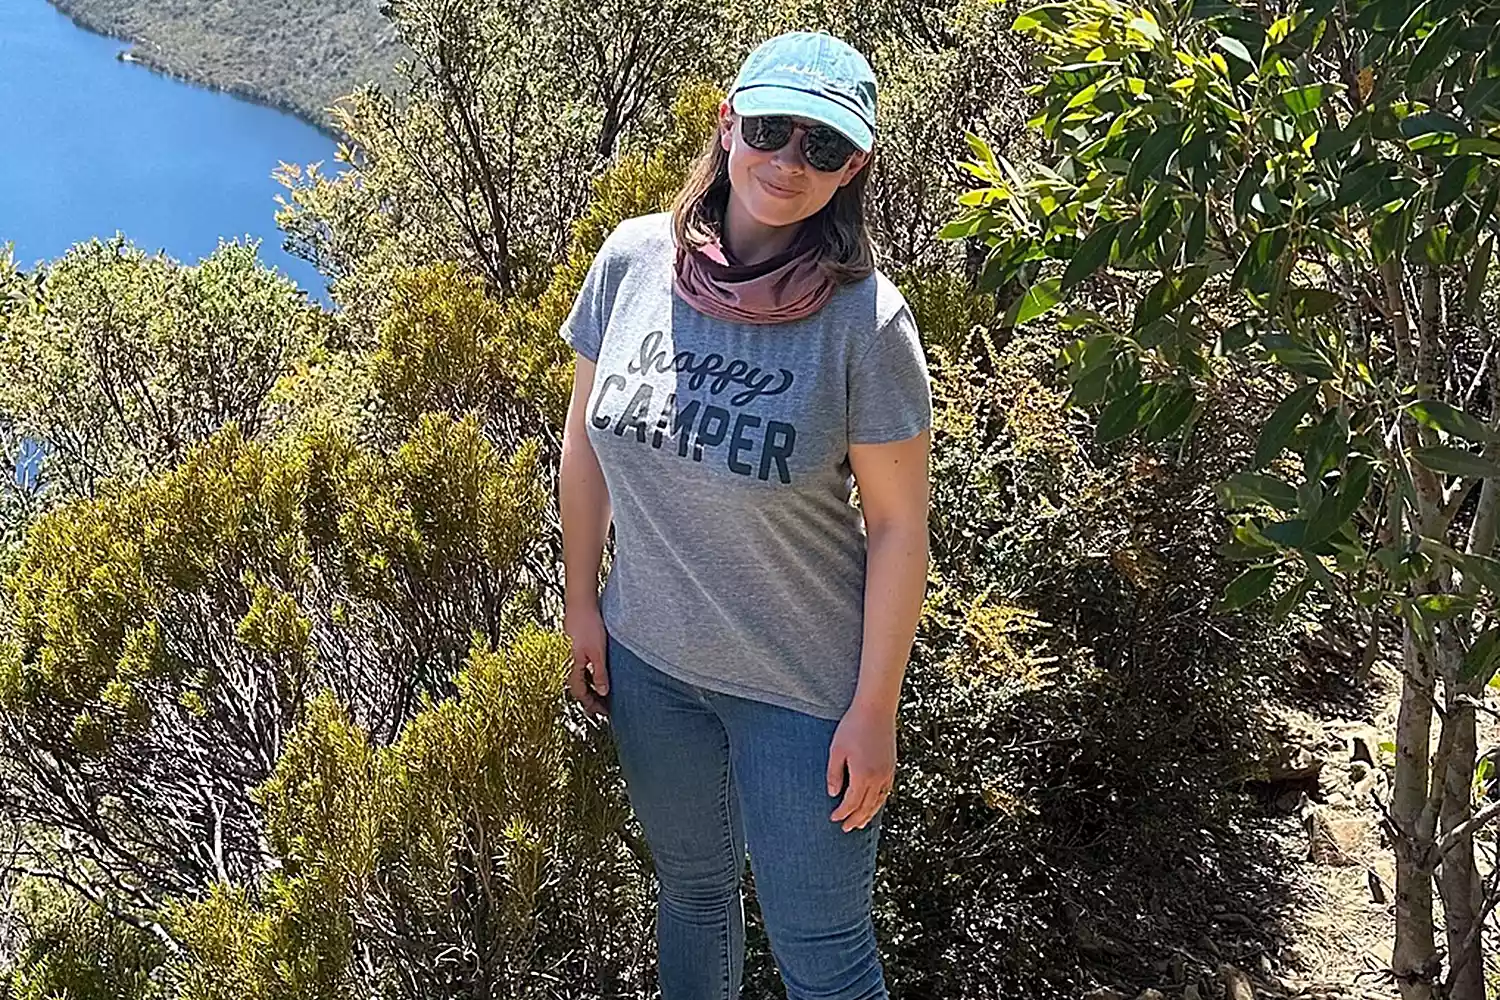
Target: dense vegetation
{"type": "Point", "coordinates": [280, 701]}
{"type": "Point", "coordinates": [297, 56]}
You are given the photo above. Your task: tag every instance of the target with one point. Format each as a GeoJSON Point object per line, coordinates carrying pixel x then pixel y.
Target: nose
{"type": "Point", "coordinates": [789, 157]}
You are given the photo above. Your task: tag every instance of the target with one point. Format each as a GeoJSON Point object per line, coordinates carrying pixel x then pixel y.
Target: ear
{"type": "Point", "coordinates": [856, 163]}
{"type": "Point", "coordinates": [726, 125]}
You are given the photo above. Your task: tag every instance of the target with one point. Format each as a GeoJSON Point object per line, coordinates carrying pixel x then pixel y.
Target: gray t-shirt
{"type": "Point", "coordinates": [739, 561]}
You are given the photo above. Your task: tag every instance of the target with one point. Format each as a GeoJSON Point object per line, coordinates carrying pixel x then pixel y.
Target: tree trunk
{"type": "Point", "coordinates": [1458, 879]}
{"type": "Point", "coordinates": [1414, 960]}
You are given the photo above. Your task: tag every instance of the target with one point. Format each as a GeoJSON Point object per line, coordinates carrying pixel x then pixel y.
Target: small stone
{"type": "Point", "coordinates": [1236, 983]}
{"type": "Point", "coordinates": [1149, 994]}
{"type": "Point", "coordinates": [1334, 840]}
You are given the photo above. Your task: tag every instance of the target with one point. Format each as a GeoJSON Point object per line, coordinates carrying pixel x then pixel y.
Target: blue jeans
{"type": "Point", "coordinates": [709, 772]}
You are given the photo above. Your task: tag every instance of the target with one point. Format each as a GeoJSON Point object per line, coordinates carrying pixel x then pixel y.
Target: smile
{"type": "Point", "coordinates": [779, 191]}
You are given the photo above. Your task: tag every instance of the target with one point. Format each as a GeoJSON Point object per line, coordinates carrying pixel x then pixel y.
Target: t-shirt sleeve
{"type": "Point", "coordinates": [583, 330]}
{"type": "Point", "coordinates": [890, 396]}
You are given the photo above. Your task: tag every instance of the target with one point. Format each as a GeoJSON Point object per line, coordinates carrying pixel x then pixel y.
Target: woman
{"type": "Point", "coordinates": [741, 365]}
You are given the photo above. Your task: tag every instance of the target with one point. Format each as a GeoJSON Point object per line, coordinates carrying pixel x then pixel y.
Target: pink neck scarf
{"type": "Point", "coordinates": [779, 289]}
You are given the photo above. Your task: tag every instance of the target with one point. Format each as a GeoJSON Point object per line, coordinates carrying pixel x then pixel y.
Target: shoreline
{"type": "Point", "coordinates": [137, 55]}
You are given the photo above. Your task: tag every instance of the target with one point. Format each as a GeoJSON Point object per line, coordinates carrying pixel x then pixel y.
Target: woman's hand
{"type": "Point", "coordinates": [865, 745]}
{"type": "Point", "coordinates": [588, 678]}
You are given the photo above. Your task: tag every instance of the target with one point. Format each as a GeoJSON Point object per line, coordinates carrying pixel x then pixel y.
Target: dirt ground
{"type": "Point", "coordinates": [1339, 920]}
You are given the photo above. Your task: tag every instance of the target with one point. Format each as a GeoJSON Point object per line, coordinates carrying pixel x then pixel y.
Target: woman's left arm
{"type": "Point", "coordinates": [894, 493]}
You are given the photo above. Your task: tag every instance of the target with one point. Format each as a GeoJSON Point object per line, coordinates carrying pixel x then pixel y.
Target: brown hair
{"type": "Point", "coordinates": [839, 227]}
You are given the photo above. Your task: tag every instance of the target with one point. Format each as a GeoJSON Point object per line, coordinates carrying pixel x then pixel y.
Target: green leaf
{"type": "Point", "coordinates": [1091, 255]}
{"type": "Point", "coordinates": [1265, 202]}
{"type": "Point", "coordinates": [1197, 233]}
{"type": "Point", "coordinates": [1236, 48]}
{"type": "Point", "coordinates": [1247, 489]}
{"type": "Point", "coordinates": [1044, 15]}
{"type": "Point", "coordinates": [1388, 234]}
{"type": "Point", "coordinates": [1257, 268]}
{"type": "Point", "coordinates": [1153, 153]}
{"type": "Point", "coordinates": [1459, 176]}
{"type": "Point", "coordinates": [1484, 569]}
{"type": "Point", "coordinates": [1041, 297]}
{"type": "Point", "coordinates": [1483, 96]}
{"type": "Point", "coordinates": [1278, 430]}
{"type": "Point", "coordinates": [1359, 183]}
{"type": "Point", "coordinates": [1312, 302]}
{"type": "Point", "coordinates": [1294, 596]}
{"type": "Point", "coordinates": [1252, 174]}
{"type": "Point", "coordinates": [1436, 48]}
{"type": "Point", "coordinates": [1303, 100]}
{"type": "Point", "coordinates": [1439, 607]}
{"type": "Point", "coordinates": [1172, 412]}
{"type": "Point", "coordinates": [1338, 506]}
{"type": "Point", "coordinates": [1478, 274]}
{"type": "Point", "coordinates": [961, 227]}
{"type": "Point", "coordinates": [1482, 657]}
{"type": "Point", "coordinates": [1169, 292]}
{"type": "Point", "coordinates": [1442, 416]}
{"type": "Point", "coordinates": [1456, 461]}
{"type": "Point", "coordinates": [1123, 414]}
{"type": "Point", "coordinates": [1432, 123]}
{"type": "Point", "coordinates": [1325, 446]}
{"type": "Point", "coordinates": [1248, 586]}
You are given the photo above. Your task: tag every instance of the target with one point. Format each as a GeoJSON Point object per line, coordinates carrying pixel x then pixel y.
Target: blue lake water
{"type": "Point", "coordinates": [91, 145]}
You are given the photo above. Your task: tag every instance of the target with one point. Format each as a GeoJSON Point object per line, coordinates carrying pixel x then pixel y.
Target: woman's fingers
{"type": "Point", "coordinates": [862, 800]}
{"type": "Point", "coordinates": [601, 676]}
{"type": "Point", "coordinates": [588, 682]}
{"type": "Point", "coordinates": [836, 760]}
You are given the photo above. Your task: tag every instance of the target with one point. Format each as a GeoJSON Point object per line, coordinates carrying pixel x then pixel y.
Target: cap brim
{"type": "Point", "coordinates": [785, 101]}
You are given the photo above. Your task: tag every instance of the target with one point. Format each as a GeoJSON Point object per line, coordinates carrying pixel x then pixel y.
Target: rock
{"type": "Point", "coordinates": [1336, 840]}
{"type": "Point", "coordinates": [1364, 744]}
{"type": "Point", "coordinates": [1370, 785]}
{"type": "Point", "coordinates": [1292, 763]}
{"type": "Point", "coordinates": [1236, 983]}
{"type": "Point", "coordinates": [1151, 995]}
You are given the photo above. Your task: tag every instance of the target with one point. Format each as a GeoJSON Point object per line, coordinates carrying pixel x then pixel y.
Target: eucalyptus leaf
{"type": "Point", "coordinates": [1478, 275]}
{"type": "Point", "coordinates": [1278, 429]}
{"type": "Point", "coordinates": [1246, 489]}
{"type": "Point", "coordinates": [1445, 417]}
{"type": "Point", "coordinates": [1039, 298]}
{"type": "Point", "coordinates": [1456, 461]}
{"type": "Point", "coordinates": [1482, 656]}
{"type": "Point", "coordinates": [1247, 587]}
{"type": "Point", "coordinates": [1091, 255]}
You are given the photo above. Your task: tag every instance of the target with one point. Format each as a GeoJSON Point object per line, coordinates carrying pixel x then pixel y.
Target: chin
{"type": "Point", "coordinates": [778, 212]}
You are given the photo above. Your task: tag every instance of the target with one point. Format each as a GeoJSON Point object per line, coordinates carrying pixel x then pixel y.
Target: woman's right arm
{"type": "Point", "coordinates": [583, 501]}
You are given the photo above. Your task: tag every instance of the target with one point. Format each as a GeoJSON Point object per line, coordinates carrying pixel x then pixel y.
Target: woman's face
{"type": "Point", "coordinates": [779, 188]}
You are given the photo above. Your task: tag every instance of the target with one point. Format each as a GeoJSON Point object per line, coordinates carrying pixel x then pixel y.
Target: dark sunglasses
{"type": "Point", "coordinates": [825, 148]}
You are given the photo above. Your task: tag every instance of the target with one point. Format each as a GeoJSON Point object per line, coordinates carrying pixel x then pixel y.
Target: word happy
{"type": "Point", "coordinates": [752, 446]}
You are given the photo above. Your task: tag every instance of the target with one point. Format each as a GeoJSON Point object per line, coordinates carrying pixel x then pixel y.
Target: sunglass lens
{"type": "Point", "coordinates": [766, 132]}
{"type": "Point", "coordinates": [826, 149]}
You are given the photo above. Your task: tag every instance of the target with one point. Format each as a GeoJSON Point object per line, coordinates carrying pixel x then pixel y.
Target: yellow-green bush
{"type": "Point", "coordinates": [77, 950]}
{"type": "Point", "coordinates": [474, 852]}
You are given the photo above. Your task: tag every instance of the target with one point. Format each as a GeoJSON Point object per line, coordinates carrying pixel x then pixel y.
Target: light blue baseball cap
{"type": "Point", "coordinates": [810, 75]}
